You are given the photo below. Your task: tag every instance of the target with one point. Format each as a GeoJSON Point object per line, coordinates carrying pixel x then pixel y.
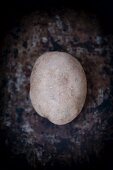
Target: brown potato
{"type": "Point", "coordinates": [58, 87]}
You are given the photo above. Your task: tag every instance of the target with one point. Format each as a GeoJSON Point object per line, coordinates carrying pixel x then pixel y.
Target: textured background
{"type": "Point", "coordinates": [33, 140]}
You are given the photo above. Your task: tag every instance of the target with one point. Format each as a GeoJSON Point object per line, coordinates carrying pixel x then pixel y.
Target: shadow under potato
{"type": "Point", "coordinates": [32, 141]}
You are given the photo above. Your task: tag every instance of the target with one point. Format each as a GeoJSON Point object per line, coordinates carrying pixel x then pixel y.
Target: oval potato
{"type": "Point", "coordinates": [58, 87]}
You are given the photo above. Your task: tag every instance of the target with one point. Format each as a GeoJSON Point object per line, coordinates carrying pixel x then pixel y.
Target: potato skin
{"type": "Point", "coordinates": [58, 87]}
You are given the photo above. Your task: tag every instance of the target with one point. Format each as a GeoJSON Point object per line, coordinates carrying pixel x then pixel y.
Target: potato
{"type": "Point", "coordinates": [58, 87]}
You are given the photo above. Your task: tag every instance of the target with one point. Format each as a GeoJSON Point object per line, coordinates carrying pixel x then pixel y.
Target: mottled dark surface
{"type": "Point", "coordinates": [42, 143]}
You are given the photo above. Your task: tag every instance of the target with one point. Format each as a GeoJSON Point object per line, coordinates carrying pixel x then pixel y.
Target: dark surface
{"type": "Point", "coordinates": [11, 11]}
{"type": "Point", "coordinates": [29, 141]}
